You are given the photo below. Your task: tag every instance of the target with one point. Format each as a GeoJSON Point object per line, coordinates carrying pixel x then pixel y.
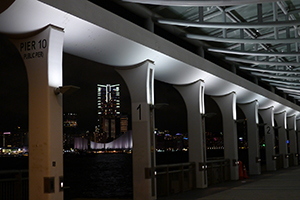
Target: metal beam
{"type": "Point", "coordinates": [276, 76]}
{"type": "Point", "coordinates": [296, 96]}
{"type": "Point", "coordinates": [253, 53]}
{"type": "Point", "coordinates": [252, 34]}
{"type": "Point", "coordinates": [286, 12]}
{"type": "Point", "coordinates": [288, 90]}
{"type": "Point", "coordinates": [177, 22]}
{"type": "Point", "coordinates": [280, 82]}
{"type": "Point", "coordinates": [198, 2]}
{"type": "Point", "coordinates": [285, 86]}
{"type": "Point", "coordinates": [274, 71]}
{"type": "Point", "coordinates": [257, 62]}
{"type": "Point", "coordinates": [233, 40]}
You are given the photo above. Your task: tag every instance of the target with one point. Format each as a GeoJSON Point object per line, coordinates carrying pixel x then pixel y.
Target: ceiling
{"type": "Point", "coordinates": [260, 39]}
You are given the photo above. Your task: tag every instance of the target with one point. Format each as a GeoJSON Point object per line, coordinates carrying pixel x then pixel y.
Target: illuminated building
{"type": "Point", "coordinates": [69, 129]}
{"type": "Point", "coordinates": [16, 138]}
{"type": "Point", "coordinates": [70, 120]}
{"type": "Point", "coordinates": [108, 103]}
{"type": "Point", "coordinates": [124, 124]}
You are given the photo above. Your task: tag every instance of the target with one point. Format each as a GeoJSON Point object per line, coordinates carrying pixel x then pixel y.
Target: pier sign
{"type": "Point", "coordinates": [33, 49]}
{"type": "Point", "coordinates": [42, 54]}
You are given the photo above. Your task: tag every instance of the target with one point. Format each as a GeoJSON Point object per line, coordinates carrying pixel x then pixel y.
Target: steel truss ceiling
{"type": "Point", "coordinates": [260, 37]}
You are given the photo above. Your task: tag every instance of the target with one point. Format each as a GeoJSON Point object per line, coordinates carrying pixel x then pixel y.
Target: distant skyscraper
{"type": "Point", "coordinates": [108, 100]}
{"type": "Point", "coordinates": [69, 129]}
{"type": "Point", "coordinates": [124, 124]}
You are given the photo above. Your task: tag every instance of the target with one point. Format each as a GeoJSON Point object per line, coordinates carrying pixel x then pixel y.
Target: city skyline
{"type": "Point", "coordinates": [86, 75]}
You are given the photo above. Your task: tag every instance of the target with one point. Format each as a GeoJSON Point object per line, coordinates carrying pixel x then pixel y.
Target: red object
{"type": "Point", "coordinates": [241, 173]}
{"type": "Point", "coordinates": [245, 172]}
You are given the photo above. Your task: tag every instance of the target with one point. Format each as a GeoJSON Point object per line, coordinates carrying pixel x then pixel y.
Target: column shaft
{"type": "Point", "coordinates": [42, 55]}
{"type": "Point", "coordinates": [282, 137]}
{"type": "Point", "coordinates": [298, 137]}
{"type": "Point", "coordinates": [193, 96]}
{"type": "Point", "coordinates": [251, 112]}
{"type": "Point", "coordinates": [268, 118]}
{"type": "Point", "coordinates": [227, 106]}
{"type": "Point", "coordinates": [140, 82]}
{"type": "Point", "coordinates": [291, 121]}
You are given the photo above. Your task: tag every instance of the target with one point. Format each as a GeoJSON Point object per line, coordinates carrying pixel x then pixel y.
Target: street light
{"type": "Point", "coordinates": [208, 115]}
{"type": "Point", "coordinates": [68, 89]}
{"type": "Point", "coordinates": [239, 120]}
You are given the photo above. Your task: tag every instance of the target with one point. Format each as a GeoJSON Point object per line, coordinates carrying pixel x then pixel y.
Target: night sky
{"type": "Point", "coordinates": [13, 88]}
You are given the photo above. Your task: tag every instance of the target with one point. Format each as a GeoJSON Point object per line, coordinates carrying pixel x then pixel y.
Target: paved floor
{"type": "Point", "coordinates": [283, 184]}
{"type": "Point", "coordinates": [280, 185]}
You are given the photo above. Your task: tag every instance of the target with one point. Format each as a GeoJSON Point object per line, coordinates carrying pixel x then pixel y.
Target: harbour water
{"type": "Point", "coordinates": [88, 176]}
{"type": "Point", "coordinates": [98, 176]}
{"type": "Point", "coordinates": [106, 175]}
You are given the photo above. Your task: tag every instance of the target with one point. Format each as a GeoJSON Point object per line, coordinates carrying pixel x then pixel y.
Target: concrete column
{"type": "Point", "coordinates": [291, 121]}
{"type": "Point", "coordinates": [149, 24]}
{"type": "Point", "coordinates": [298, 137]}
{"type": "Point", "coordinates": [193, 96]}
{"type": "Point", "coordinates": [282, 137]}
{"type": "Point", "coordinates": [268, 117]}
{"type": "Point", "coordinates": [140, 82]}
{"type": "Point", "coordinates": [227, 106]}
{"type": "Point", "coordinates": [42, 55]}
{"type": "Point", "coordinates": [251, 112]}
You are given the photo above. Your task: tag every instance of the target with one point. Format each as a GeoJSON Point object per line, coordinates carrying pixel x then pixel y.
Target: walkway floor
{"type": "Point", "coordinates": [283, 184]}
{"type": "Point", "coordinates": [278, 185]}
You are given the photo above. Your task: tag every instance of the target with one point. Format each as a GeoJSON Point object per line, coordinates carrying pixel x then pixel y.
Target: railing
{"type": "Point", "coordinates": [175, 178]}
{"type": "Point", "coordinates": [293, 159]}
{"type": "Point", "coordinates": [218, 171]}
{"type": "Point", "coordinates": [14, 185]}
{"type": "Point", "coordinates": [279, 161]}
